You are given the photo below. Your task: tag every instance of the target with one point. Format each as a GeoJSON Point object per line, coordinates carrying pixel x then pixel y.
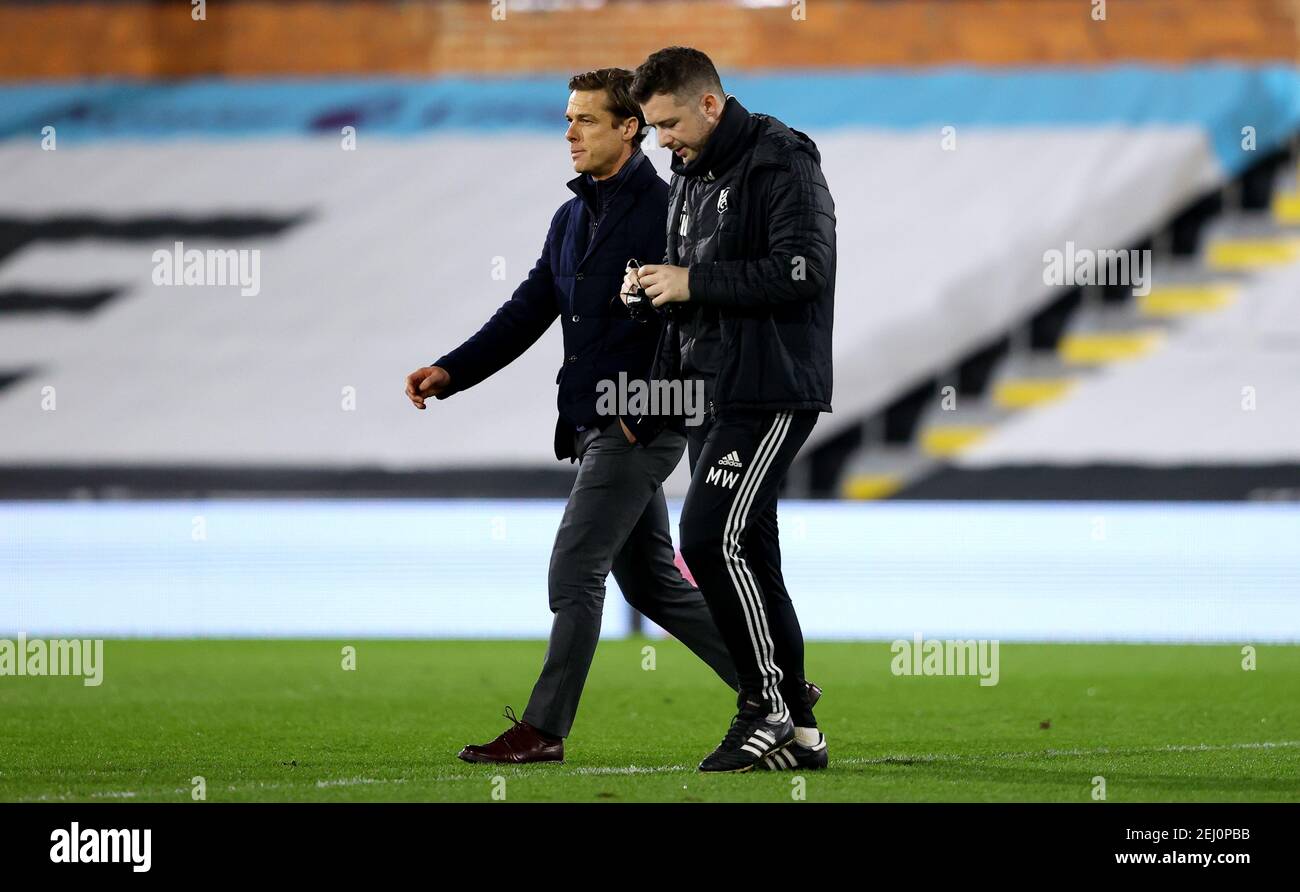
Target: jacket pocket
{"type": "Point", "coordinates": [728, 238]}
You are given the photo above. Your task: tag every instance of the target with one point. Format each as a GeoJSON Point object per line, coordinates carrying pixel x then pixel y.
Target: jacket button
{"type": "Point", "coordinates": [576, 318]}
{"type": "Point", "coordinates": [573, 359]}
{"type": "Point", "coordinates": [579, 276]}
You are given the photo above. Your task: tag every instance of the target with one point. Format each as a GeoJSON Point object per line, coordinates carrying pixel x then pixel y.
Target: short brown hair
{"type": "Point", "coordinates": [676, 70]}
{"type": "Point", "coordinates": [617, 84]}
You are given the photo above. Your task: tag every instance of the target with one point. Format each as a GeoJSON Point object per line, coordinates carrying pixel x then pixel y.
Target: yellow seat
{"type": "Point", "coordinates": [871, 486]}
{"type": "Point", "coordinates": [1022, 393]}
{"type": "Point", "coordinates": [1099, 348]}
{"type": "Point", "coordinates": [1244, 254]}
{"type": "Point", "coordinates": [948, 439]}
{"type": "Point", "coordinates": [1182, 300]}
{"type": "Point", "coordinates": [1286, 208]}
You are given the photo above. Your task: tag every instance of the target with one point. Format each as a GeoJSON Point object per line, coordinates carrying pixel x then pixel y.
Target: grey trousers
{"type": "Point", "coordinates": [616, 519]}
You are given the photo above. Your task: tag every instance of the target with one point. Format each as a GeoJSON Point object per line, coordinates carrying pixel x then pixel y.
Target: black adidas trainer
{"type": "Point", "coordinates": [752, 736]}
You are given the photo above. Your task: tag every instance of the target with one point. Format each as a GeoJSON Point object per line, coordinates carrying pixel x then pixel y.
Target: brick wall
{"type": "Point", "coordinates": [307, 37]}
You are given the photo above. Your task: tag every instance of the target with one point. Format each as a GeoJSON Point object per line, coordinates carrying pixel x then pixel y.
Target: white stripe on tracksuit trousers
{"type": "Point", "coordinates": [751, 598]}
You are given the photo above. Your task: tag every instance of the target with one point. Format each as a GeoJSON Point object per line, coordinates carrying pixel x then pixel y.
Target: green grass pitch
{"type": "Point", "coordinates": [282, 721]}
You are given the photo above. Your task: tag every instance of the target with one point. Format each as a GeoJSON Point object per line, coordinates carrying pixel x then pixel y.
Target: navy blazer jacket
{"type": "Point", "coordinates": [579, 280]}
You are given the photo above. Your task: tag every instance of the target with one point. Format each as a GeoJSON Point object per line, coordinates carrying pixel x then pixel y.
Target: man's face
{"type": "Point", "coordinates": [596, 146]}
{"type": "Point", "coordinates": [683, 126]}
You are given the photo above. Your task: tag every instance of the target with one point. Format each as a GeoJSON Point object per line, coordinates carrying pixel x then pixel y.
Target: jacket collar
{"type": "Point", "coordinates": [635, 177]}
{"type": "Point", "coordinates": [727, 144]}
{"type": "Point", "coordinates": [628, 179]}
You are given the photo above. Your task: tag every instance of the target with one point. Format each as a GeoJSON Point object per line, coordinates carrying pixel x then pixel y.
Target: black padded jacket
{"type": "Point", "coordinates": [753, 219]}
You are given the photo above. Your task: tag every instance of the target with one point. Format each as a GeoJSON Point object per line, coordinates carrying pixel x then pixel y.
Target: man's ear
{"type": "Point", "coordinates": [711, 106]}
{"type": "Point", "coordinates": [631, 127]}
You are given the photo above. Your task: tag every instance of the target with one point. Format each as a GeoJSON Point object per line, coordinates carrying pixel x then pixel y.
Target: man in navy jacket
{"type": "Point", "coordinates": [616, 518]}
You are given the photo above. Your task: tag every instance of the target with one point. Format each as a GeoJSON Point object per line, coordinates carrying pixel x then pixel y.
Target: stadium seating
{"type": "Point", "coordinates": [376, 260]}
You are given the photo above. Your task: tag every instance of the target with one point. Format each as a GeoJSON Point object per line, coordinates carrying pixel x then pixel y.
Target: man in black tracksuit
{"type": "Point", "coordinates": [748, 286]}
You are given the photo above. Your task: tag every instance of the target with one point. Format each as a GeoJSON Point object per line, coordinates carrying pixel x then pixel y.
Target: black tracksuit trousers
{"type": "Point", "coordinates": [729, 539]}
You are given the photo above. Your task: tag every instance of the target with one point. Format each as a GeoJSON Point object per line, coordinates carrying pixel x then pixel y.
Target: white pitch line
{"type": "Point", "coordinates": [597, 770]}
{"type": "Point", "coordinates": [1093, 751]}
{"type": "Point", "coordinates": [633, 769]}
{"type": "Point", "coordinates": [945, 757]}
{"type": "Point", "coordinates": [1180, 748]}
{"type": "Point", "coordinates": [45, 797]}
{"type": "Point", "coordinates": [354, 781]}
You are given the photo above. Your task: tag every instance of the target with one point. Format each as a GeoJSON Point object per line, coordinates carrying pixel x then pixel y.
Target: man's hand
{"type": "Point", "coordinates": [631, 438]}
{"type": "Point", "coordinates": [666, 284]}
{"type": "Point", "coordinates": [426, 382]}
{"type": "Point", "coordinates": [630, 284]}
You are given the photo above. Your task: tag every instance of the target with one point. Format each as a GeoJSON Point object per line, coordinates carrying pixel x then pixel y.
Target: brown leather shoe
{"type": "Point", "coordinates": [519, 744]}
